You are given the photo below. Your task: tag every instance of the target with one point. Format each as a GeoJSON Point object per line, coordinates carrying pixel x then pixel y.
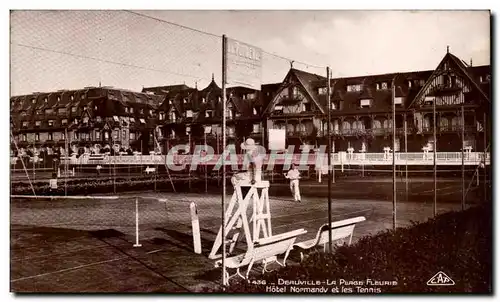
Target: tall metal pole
{"type": "Point", "coordinates": [463, 164]}
{"type": "Point", "coordinates": [406, 157]}
{"type": "Point", "coordinates": [224, 68]}
{"type": "Point", "coordinates": [393, 153]}
{"type": "Point", "coordinates": [329, 150]}
{"type": "Point", "coordinates": [206, 166]}
{"type": "Point", "coordinates": [189, 168]}
{"type": "Point", "coordinates": [484, 154]}
{"type": "Point", "coordinates": [434, 149]}
{"type": "Point", "coordinates": [66, 161]}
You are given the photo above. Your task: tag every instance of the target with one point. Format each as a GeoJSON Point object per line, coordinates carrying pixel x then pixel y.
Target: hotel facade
{"type": "Point", "coordinates": [104, 119]}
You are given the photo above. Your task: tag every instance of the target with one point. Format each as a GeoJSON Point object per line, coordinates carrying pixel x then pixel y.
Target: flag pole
{"type": "Point", "coordinates": [434, 148]}
{"type": "Point", "coordinates": [463, 163]}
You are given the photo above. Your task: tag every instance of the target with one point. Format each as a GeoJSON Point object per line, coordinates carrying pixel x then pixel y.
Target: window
{"type": "Point", "coordinates": [185, 100]}
{"type": "Point", "coordinates": [173, 116]}
{"type": "Point", "coordinates": [84, 108]}
{"type": "Point", "coordinates": [322, 90]}
{"type": "Point", "coordinates": [188, 130]}
{"type": "Point", "coordinates": [132, 120]}
{"type": "Point", "coordinates": [38, 123]}
{"type": "Point", "coordinates": [63, 136]}
{"type": "Point", "coordinates": [208, 113]}
{"type": "Point", "coordinates": [50, 136]}
{"type": "Point", "coordinates": [142, 121]}
{"type": "Point", "coordinates": [25, 124]}
{"type": "Point", "coordinates": [365, 103]}
{"type": "Point", "coordinates": [151, 112]}
{"type": "Point", "coordinates": [429, 100]}
{"type": "Point", "coordinates": [75, 135]}
{"type": "Point", "coordinates": [51, 123]}
{"type": "Point", "coordinates": [354, 87]}
{"type": "Point", "coordinates": [189, 113]}
{"type": "Point", "coordinates": [71, 97]}
{"type": "Point", "coordinates": [126, 109]}
{"type": "Point", "coordinates": [76, 121]}
{"type": "Point", "coordinates": [131, 110]}
{"type": "Point", "coordinates": [64, 121]}
{"type": "Point", "coordinates": [203, 100]}
{"type": "Point", "coordinates": [73, 109]}
{"type": "Point", "coordinates": [124, 133]}
{"type": "Point", "coordinates": [141, 111]}
{"type": "Point", "coordinates": [115, 134]}
{"type": "Point", "coordinates": [86, 119]}
{"type": "Point", "coordinates": [255, 111]}
{"type": "Point", "coordinates": [378, 86]}
{"type": "Point", "coordinates": [230, 131]}
{"type": "Point", "coordinates": [61, 110]}
{"type": "Point", "coordinates": [162, 116]}
{"type": "Point", "coordinates": [98, 119]}
{"type": "Point", "coordinates": [131, 136]}
{"type": "Point", "coordinates": [24, 138]}
{"type": "Point", "coordinates": [48, 111]}
{"type": "Point", "coordinates": [376, 124]}
{"type": "Point", "coordinates": [170, 102]}
{"type": "Point", "coordinates": [33, 101]}
{"type": "Point", "coordinates": [333, 106]}
{"type": "Point", "coordinates": [82, 96]}
{"type": "Point", "coordinates": [97, 135]}
{"type": "Point", "coordinates": [38, 112]}
{"type": "Point", "coordinates": [173, 133]}
{"type": "Point", "coordinates": [251, 96]}
{"type": "Point", "coordinates": [384, 85]}
{"type": "Point", "coordinates": [45, 100]}
{"type": "Point", "coordinates": [106, 135]}
{"type": "Point", "coordinates": [256, 128]}
{"type": "Point", "coordinates": [229, 113]}
{"type": "Point", "coordinates": [409, 84]}
{"type": "Point", "coordinates": [398, 100]}
{"type": "Point", "coordinates": [115, 118]}
{"type": "Point", "coordinates": [37, 137]}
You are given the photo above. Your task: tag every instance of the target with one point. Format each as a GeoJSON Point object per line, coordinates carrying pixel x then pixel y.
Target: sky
{"type": "Point", "coordinates": [53, 50]}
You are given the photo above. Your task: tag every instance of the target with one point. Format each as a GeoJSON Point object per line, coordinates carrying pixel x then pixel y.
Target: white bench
{"type": "Point", "coordinates": [341, 230]}
{"type": "Point", "coordinates": [265, 250]}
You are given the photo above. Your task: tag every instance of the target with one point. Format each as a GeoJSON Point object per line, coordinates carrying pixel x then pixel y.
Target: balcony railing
{"type": "Point", "coordinates": [340, 158]}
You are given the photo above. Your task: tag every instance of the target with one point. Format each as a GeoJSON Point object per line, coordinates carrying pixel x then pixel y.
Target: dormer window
{"type": "Point", "coordinates": [398, 100]}
{"type": "Point", "coordinates": [25, 124]}
{"type": "Point", "coordinates": [208, 113]}
{"type": "Point", "coordinates": [161, 116]}
{"type": "Point", "coordinates": [58, 98]}
{"type": "Point", "coordinates": [203, 100]}
{"type": "Point", "coordinates": [115, 118]}
{"type": "Point", "coordinates": [132, 120]}
{"type": "Point", "coordinates": [84, 108]}
{"type": "Point", "coordinates": [38, 112]}
{"type": "Point", "coordinates": [51, 123]}
{"type": "Point", "coordinates": [353, 87]}
{"type": "Point", "coordinates": [45, 100]}
{"type": "Point", "coordinates": [126, 109]}
{"type": "Point", "coordinates": [255, 111]}
{"type": "Point", "coordinates": [38, 123]}
{"type": "Point", "coordinates": [73, 109]}
{"type": "Point", "coordinates": [278, 108]}
{"type": "Point", "coordinates": [151, 112]}
{"type": "Point", "coordinates": [82, 96]}
{"type": "Point", "coordinates": [409, 84]}
{"type": "Point", "coordinates": [141, 111]}
{"type": "Point", "coordinates": [48, 111]}
{"type": "Point", "coordinates": [188, 130]}
{"type": "Point", "coordinates": [189, 113]}
{"type": "Point", "coordinates": [61, 110]}
{"type": "Point", "coordinates": [142, 121]}
{"type": "Point", "coordinates": [71, 97]}
{"type": "Point", "coordinates": [185, 100]}
{"type": "Point", "coordinates": [173, 116]}
{"type": "Point", "coordinates": [33, 101]}
{"type": "Point", "coordinates": [131, 110]}
{"type": "Point", "coordinates": [64, 121]}
{"type": "Point", "coordinates": [322, 90]}
{"type": "Point", "coordinates": [333, 106]}
{"type": "Point", "coordinates": [364, 103]}
{"type": "Point", "coordinates": [85, 120]}
{"type": "Point", "coordinates": [170, 102]}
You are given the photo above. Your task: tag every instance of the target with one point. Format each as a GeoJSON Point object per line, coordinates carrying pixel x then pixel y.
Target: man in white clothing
{"type": "Point", "coordinates": [294, 176]}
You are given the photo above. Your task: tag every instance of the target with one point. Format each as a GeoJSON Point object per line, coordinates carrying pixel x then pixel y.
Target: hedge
{"type": "Point", "coordinates": [456, 243]}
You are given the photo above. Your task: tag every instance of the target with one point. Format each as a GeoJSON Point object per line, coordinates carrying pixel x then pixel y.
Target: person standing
{"type": "Point", "coordinates": [294, 176]}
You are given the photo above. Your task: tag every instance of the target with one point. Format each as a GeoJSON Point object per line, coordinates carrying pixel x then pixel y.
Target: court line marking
{"type": "Point", "coordinates": [78, 267]}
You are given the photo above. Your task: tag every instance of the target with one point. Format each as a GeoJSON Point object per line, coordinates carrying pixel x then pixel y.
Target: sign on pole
{"type": "Point", "coordinates": [244, 64]}
{"type": "Point", "coordinates": [277, 139]}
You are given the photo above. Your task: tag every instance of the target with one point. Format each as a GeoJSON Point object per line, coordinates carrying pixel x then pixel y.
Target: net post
{"type": "Point", "coordinates": [137, 244]}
